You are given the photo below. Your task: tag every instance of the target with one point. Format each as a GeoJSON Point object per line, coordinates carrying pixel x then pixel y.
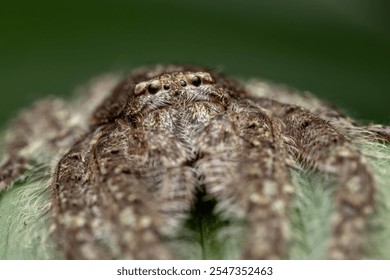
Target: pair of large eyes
{"type": "Point", "coordinates": [154, 87]}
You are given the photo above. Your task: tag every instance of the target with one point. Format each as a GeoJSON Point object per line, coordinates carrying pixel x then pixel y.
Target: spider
{"type": "Point", "coordinates": [133, 154]}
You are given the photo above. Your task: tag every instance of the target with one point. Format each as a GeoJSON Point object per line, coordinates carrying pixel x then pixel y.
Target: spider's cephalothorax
{"type": "Point", "coordinates": [135, 154]}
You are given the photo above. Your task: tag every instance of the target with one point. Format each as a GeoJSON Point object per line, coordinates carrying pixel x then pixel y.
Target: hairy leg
{"type": "Point", "coordinates": [136, 185]}
{"type": "Point", "coordinates": [34, 135]}
{"type": "Point", "coordinates": [76, 208]}
{"type": "Point", "coordinates": [159, 161]}
{"type": "Point", "coordinates": [325, 110]}
{"type": "Point", "coordinates": [49, 127]}
{"type": "Point", "coordinates": [123, 218]}
{"type": "Point", "coordinates": [129, 209]}
{"type": "Point", "coordinates": [245, 170]}
{"type": "Point", "coordinates": [319, 145]}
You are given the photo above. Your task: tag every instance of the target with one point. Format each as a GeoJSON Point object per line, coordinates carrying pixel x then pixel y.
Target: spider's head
{"type": "Point", "coordinates": [148, 89]}
{"type": "Point", "coordinates": [177, 89]}
{"type": "Point", "coordinates": [174, 83]}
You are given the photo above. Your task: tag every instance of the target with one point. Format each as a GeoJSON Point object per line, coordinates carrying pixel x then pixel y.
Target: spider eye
{"type": "Point", "coordinates": [183, 83]}
{"type": "Point", "coordinates": [153, 88]}
{"type": "Point", "coordinates": [167, 86]}
{"type": "Point", "coordinates": [196, 81]}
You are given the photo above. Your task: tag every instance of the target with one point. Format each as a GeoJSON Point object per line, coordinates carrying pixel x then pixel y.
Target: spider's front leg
{"type": "Point", "coordinates": [242, 162]}
{"type": "Point", "coordinates": [129, 185]}
{"type": "Point", "coordinates": [319, 145]}
{"type": "Point", "coordinates": [76, 211]}
{"type": "Point", "coordinates": [103, 207]}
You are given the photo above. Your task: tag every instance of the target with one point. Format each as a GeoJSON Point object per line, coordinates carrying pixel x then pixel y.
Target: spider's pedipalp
{"type": "Point", "coordinates": [172, 177]}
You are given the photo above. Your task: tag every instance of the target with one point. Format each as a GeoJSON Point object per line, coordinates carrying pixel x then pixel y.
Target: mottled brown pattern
{"type": "Point", "coordinates": [133, 154]}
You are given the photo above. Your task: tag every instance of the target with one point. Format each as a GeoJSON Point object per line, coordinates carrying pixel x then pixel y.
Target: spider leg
{"type": "Point", "coordinates": [49, 127]}
{"type": "Point", "coordinates": [283, 94]}
{"type": "Point", "coordinates": [164, 190]}
{"type": "Point", "coordinates": [128, 207]}
{"type": "Point", "coordinates": [319, 145]}
{"type": "Point", "coordinates": [246, 172]}
{"type": "Point", "coordinates": [32, 132]}
{"type": "Point", "coordinates": [327, 111]}
{"type": "Point", "coordinates": [76, 212]}
{"type": "Point", "coordinates": [381, 132]}
{"type": "Point", "coordinates": [133, 190]}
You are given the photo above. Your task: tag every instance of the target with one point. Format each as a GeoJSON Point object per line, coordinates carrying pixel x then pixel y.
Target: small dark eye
{"type": "Point", "coordinates": [166, 86]}
{"type": "Point", "coordinates": [196, 81]}
{"type": "Point", "coordinates": [153, 88]}
{"type": "Point", "coordinates": [183, 83]}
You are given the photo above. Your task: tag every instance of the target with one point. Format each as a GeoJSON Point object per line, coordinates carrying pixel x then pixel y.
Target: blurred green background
{"type": "Point", "coordinates": [339, 50]}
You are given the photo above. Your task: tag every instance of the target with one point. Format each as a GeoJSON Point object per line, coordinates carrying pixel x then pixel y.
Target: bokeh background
{"type": "Point", "coordinates": [339, 50]}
